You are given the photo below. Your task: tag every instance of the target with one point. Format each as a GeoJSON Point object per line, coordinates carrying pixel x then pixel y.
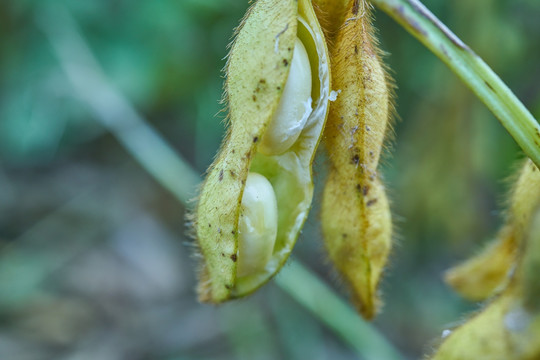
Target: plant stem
{"type": "Point", "coordinates": [313, 294]}
{"type": "Point", "coordinates": [471, 69]}
{"type": "Point", "coordinates": [111, 108]}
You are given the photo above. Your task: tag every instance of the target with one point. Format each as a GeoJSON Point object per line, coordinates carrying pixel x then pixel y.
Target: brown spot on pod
{"type": "Point", "coordinates": [371, 202]}
{"type": "Point", "coordinates": [365, 190]}
{"type": "Point", "coordinates": [355, 7]}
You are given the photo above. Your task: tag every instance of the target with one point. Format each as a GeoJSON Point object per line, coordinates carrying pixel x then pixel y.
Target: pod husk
{"type": "Point", "coordinates": [331, 14]}
{"type": "Point", "coordinates": [256, 73]}
{"type": "Point", "coordinates": [509, 327]}
{"type": "Point", "coordinates": [355, 214]}
{"type": "Point", "coordinates": [488, 272]}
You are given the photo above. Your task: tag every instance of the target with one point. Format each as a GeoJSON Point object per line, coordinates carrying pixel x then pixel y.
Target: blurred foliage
{"type": "Point", "coordinates": [93, 261]}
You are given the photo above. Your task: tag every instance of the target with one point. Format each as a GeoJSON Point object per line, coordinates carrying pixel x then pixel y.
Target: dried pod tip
{"type": "Point", "coordinates": [294, 106]}
{"type": "Point", "coordinates": [257, 225]}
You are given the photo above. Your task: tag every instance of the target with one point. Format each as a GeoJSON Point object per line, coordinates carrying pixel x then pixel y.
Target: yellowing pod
{"type": "Point", "coordinates": [277, 87]}
{"type": "Point", "coordinates": [294, 106]}
{"type": "Point", "coordinates": [257, 225]}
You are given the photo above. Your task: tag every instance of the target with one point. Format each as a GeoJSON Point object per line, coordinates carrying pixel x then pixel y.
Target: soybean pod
{"type": "Point", "coordinates": [508, 328]}
{"type": "Point", "coordinates": [258, 191]}
{"type": "Point", "coordinates": [356, 219]}
{"type": "Point", "coordinates": [489, 271]}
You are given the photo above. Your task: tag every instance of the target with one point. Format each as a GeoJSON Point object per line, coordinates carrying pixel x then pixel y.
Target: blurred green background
{"type": "Point", "coordinates": [94, 258]}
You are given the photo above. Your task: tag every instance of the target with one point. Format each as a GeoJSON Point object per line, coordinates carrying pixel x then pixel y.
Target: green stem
{"type": "Point", "coordinates": [313, 294]}
{"type": "Point", "coordinates": [472, 70]}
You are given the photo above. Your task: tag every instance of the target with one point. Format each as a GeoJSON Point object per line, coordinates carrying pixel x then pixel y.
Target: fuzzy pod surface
{"type": "Point", "coordinates": [256, 77]}
{"type": "Point", "coordinates": [488, 272]}
{"type": "Point", "coordinates": [508, 328]}
{"type": "Point", "coordinates": [355, 214]}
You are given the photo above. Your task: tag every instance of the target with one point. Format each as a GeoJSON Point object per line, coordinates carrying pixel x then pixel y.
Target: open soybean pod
{"type": "Point", "coordinates": [509, 327]}
{"type": "Point", "coordinates": [258, 191]}
{"type": "Point", "coordinates": [486, 273]}
{"type": "Point", "coordinates": [356, 219]}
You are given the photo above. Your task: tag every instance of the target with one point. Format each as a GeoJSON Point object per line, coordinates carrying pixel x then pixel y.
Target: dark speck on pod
{"type": "Point", "coordinates": [356, 7]}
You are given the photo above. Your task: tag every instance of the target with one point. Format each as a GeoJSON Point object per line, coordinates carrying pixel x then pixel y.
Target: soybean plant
{"type": "Point", "coordinates": [294, 63]}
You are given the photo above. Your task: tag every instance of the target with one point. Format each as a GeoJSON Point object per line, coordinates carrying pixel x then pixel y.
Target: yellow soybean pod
{"type": "Point", "coordinates": [508, 328]}
{"type": "Point", "coordinates": [488, 272]}
{"type": "Point", "coordinates": [356, 218]}
{"type": "Point", "coordinates": [258, 191]}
